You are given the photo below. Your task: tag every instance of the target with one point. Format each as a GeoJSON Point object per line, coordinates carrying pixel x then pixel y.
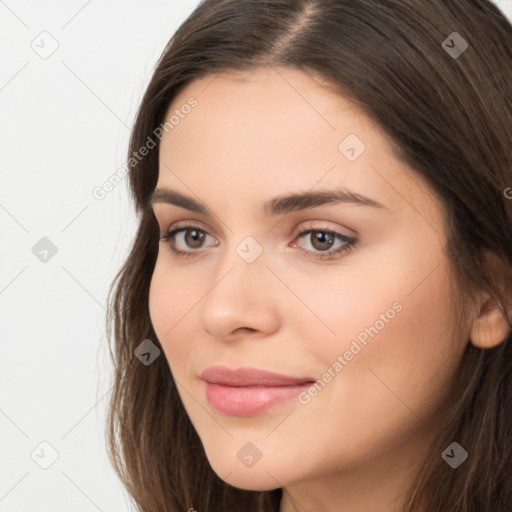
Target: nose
{"type": "Point", "coordinates": [243, 299]}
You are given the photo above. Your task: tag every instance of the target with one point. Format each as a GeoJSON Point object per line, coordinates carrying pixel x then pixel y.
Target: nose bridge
{"type": "Point", "coordinates": [238, 296]}
{"type": "Point", "coordinates": [242, 265]}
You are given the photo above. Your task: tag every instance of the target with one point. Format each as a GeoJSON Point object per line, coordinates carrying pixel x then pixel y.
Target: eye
{"type": "Point", "coordinates": [321, 240]}
{"type": "Point", "coordinates": [193, 237]}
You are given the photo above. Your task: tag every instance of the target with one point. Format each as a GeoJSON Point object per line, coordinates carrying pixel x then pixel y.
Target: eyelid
{"type": "Point", "coordinates": [309, 224]}
{"type": "Point", "coordinates": [352, 233]}
{"type": "Point", "coordinates": [170, 225]}
{"type": "Point", "coordinates": [313, 225]}
{"type": "Point", "coordinates": [185, 224]}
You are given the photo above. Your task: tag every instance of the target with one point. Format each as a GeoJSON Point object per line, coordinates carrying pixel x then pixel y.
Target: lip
{"type": "Point", "coordinates": [247, 391]}
{"type": "Point", "coordinates": [247, 376]}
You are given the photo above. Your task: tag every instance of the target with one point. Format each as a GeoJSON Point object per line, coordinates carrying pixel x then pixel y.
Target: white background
{"type": "Point", "coordinates": [64, 127]}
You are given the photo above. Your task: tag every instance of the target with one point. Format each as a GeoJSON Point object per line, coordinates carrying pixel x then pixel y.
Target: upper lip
{"type": "Point", "coordinates": [247, 376]}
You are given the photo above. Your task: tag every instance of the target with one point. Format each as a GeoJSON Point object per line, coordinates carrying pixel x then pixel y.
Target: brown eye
{"type": "Point", "coordinates": [321, 240]}
{"type": "Point", "coordinates": [194, 238]}
{"type": "Point", "coordinates": [185, 241]}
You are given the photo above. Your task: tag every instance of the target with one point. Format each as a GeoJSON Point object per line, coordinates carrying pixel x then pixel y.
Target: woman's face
{"type": "Point", "coordinates": [369, 322]}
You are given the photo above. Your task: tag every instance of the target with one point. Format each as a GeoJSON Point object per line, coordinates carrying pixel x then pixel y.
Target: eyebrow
{"type": "Point", "coordinates": [276, 206]}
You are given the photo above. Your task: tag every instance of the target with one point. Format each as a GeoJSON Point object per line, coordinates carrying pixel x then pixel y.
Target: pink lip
{"type": "Point", "coordinates": [247, 391]}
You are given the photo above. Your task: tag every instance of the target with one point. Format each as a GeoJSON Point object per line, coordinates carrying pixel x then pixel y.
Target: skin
{"type": "Point", "coordinates": [357, 444]}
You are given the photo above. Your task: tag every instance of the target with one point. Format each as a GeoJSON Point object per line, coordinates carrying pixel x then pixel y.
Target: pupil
{"type": "Point", "coordinates": [196, 236]}
{"type": "Point", "coordinates": [321, 237]}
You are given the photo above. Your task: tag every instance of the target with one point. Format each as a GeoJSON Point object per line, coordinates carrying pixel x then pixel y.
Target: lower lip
{"type": "Point", "coordinates": [250, 400]}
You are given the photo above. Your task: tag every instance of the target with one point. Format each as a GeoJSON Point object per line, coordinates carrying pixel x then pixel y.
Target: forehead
{"type": "Point", "coordinates": [270, 93]}
{"type": "Point", "coordinates": [277, 129]}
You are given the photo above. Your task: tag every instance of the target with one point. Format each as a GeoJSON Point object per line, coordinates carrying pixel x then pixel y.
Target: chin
{"type": "Point", "coordinates": [251, 481]}
{"type": "Point", "coordinates": [254, 478]}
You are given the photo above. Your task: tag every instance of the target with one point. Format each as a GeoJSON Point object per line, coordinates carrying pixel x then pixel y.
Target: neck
{"type": "Point", "coordinates": [380, 484]}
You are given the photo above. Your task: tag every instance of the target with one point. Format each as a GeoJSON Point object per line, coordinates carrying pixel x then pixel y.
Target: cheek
{"type": "Point", "coordinates": [392, 326]}
{"type": "Point", "coordinates": [169, 303]}
{"type": "Point", "coordinates": [170, 297]}
{"type": "Point", "coordinates": [160, 293]}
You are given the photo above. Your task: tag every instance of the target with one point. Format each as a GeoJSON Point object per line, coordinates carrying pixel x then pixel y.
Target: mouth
{"type": "Point", "coordinates": [249, 391]}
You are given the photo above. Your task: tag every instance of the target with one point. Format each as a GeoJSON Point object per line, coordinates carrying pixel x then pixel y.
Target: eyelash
{"type": "Point", "coordinates": [325, 255]}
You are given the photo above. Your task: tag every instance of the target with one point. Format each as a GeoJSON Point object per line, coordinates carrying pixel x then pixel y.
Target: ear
{"type": "Point", "coordinates": [490, 327]}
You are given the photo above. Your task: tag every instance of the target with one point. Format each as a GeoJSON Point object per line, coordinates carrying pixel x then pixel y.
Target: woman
{"type": "Point", "coordinates": [318, 297]}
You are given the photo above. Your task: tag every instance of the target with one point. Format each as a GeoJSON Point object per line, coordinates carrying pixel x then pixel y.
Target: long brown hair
{"type": "Point", "coordinates": [448, 116]}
